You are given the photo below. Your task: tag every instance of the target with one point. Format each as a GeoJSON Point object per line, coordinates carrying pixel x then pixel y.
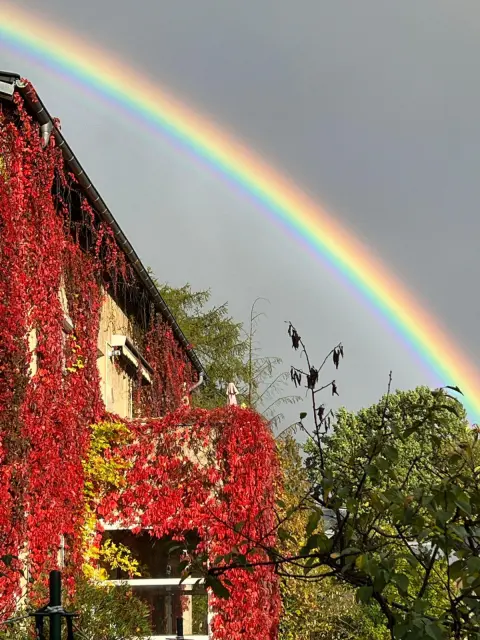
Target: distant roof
{"type": "Point", "coordinates": [11, 82]}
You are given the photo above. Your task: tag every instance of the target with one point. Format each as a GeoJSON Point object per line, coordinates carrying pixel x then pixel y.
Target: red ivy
{"type": "Point", "coordinates": [44, 419]}
{"type": "Point", "coordinates": [209, 471]}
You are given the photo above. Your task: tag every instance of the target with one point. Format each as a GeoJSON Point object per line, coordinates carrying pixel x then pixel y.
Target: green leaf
{"type": "Point", "coordinates": [239, 526]}
{"type": "Point", "coordinates": [7, 559]}
{"type": "Point", "coordinates": [372, 471]}
{"type": "Point", "coordinates": [455, 457]}
{"type": "Point", "coordinates": [463, 502]}
{"type": "Point", "coordinates": [313, 521]}
{"type": "Point", "coordinates": [240, 559]}
{"type": "Point", "coordinates": [383, 464]}
{"type": "Point", "coordinates": [456, 569]}
{"type": "Point", "coordinates": [412, 560]}
{"type": "Point", "coordinates": [457, 389]}
{"type": "Point", "coordinates": [219, 589]}
{"type": "Point", "coordinates": [364, 594]}
{"type": "Point", "coordinates": [351, 551]}
{"type": "Point", "coordinates": [284, 535]}
{"type": "Point", "coordinates": [362, 562]}
{"type": "Point", "coordinates": [380, 580]}
{"type": "Point", "coordinates": [303, 415]}
{"type": "Point", "coordinates": [442, 517]}
{"type": "Point", "coordinates": [459, 531]}
{"type": "Point", "coordinates": [400, 630]}
{"type": "Point", "coordinates": [183, 564]}
{"type": "Point", "coordinates": [435, 631]}
{"type": "Point", "coordinates": [316, 541]}
{"type": "Point", "coordinates": [401, 580]}
{"type": "Point", "coordinates": [420, 606]}
{"type": "Point", "coordinates": [391, 453]}
{"type": "Point", "coordinates": [473, 564]}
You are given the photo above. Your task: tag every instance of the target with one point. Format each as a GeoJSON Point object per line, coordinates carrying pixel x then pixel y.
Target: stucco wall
{"type": "Point", "coordinates": [115, 382]}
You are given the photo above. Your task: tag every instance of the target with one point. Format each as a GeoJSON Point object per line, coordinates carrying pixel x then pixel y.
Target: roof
{"type": "Point", "coordinates": [11, 82]}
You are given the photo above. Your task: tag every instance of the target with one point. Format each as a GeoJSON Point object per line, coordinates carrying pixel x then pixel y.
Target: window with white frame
{"type": "Point", "coordinates": [159, 584]}
{"type": "Point", "coordinates": [125, 366]}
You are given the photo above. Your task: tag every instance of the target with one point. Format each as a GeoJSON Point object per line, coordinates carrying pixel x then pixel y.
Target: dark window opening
{"type": "Point", "coordinates": [157, 557]}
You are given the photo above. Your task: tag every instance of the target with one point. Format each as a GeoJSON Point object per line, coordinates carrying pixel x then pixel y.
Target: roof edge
{"type": "Point", "coordinates": [38, 109]}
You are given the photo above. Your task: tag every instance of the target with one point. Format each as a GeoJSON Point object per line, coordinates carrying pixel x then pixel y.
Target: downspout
{"type": "Point", "coordinates": [201, 380]}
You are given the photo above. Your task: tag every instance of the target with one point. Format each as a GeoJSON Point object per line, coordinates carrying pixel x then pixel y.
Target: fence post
{"type": "Point", "coordinates": [55, 584]}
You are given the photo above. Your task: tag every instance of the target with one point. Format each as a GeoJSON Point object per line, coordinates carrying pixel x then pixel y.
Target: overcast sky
{"type": "Point", "coordinates": [372, 107]}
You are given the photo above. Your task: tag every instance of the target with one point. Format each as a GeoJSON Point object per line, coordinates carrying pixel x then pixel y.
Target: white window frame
{"type": "Point", "coordinates": [126, 349]}
{"type": "Point", "coordinates": [109, 398]}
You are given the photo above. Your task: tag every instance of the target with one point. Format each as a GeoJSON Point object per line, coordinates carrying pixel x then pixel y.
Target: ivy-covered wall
{"type": "Point", "coordinates": [51, 240]}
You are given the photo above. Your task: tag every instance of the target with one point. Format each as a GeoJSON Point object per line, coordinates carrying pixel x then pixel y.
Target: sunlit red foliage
{"type": "Point", "coordinates": [45, 418]}
{"type": "Point", "coordinates": [208, 471]}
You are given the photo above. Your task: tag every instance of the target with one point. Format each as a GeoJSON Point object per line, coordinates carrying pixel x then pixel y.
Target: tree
{"type": "Point", "coordinates": [402, 499]}
{"type": "Point", "coordinates": [229, 352]}
{"type": "Point", "coordinates": [327, 608]}
{"type": "Point", "coordinates": [216, 337]}
{"type": "Point", "coordinates": [264, 385]}
{"type": "Point", "coordinates": [109, 612]}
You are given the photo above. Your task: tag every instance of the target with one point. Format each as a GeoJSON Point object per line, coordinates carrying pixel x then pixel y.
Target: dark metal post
{"type": "Point", "coordinates": [55, 584]}
{"type": "Point", "coordinates": [179, 628]}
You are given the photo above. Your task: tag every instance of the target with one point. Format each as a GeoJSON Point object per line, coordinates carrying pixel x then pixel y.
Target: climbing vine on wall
{"type": "Point", "coordinates": [49, 380]}
{"type": "Point", "coordinates": [207, 471]}
{"type": "Point", "coordinates": [178, 470]}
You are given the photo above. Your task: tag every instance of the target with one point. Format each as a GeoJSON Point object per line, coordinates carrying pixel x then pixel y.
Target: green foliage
{"type": "Point", "coordinates": [401, 479]}
{"type": "Point", "coordinates": [229, 353]}
{"type": "Point", "coordinates": [108, 612]}
{"type": "Point", "coordinates": [398, 486]}
{"type": "Point", "coordinates": [324, 606]}
{"type": "Point", "coordinates": [104, 471]}
{"type": "Point", "coordinates": [216, 337]}
{"type": "Point", "coordinates": [422, 426]}
{"type": "Point", "coordinates": [105, 612]}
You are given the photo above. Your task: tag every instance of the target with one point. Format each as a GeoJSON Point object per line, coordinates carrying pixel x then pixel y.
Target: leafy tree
{"type": "Point", "coordinates": [217, 338]}
{"type": "Point", "coordinates": [417, 457]}
{"type": "Point", "coordinates": [229, 352]}
{"type": "Point", "coordinates": [326, 607]}
{"type": "Point", "coordinates": [399, 486]}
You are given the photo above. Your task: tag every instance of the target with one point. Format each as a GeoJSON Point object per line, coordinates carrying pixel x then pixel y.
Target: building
{"type": "Point", "coordinates": [85, 337]}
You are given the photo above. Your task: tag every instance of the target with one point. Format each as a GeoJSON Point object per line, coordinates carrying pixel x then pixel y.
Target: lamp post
{"type": "Point", "coordinates": [54, 611]}
{"type": "Point", "coordinates": [55, 584]}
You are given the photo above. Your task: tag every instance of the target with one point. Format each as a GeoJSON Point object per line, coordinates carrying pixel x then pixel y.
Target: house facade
{"type": "Point", "coordinates": [86, 339]}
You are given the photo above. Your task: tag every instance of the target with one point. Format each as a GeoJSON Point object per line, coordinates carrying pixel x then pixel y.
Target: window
{"type": "Point", "coordinates": [159, 584]}
{"type": "Point", "coordinates": [66, 335]}
{"type": "Point", "coordinates": [131, 357]}
{"type": "Point", "coordinates": [124, 367]}
{"type": "Point", "coordinates": [67, 326]}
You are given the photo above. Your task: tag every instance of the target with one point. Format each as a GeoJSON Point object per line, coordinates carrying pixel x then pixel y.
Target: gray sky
{"type": "Point", "coordinates": [370, 106]}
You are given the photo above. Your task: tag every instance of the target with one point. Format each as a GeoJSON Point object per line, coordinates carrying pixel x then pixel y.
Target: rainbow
{"type": "Point", "coordinates": [95, 69]}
